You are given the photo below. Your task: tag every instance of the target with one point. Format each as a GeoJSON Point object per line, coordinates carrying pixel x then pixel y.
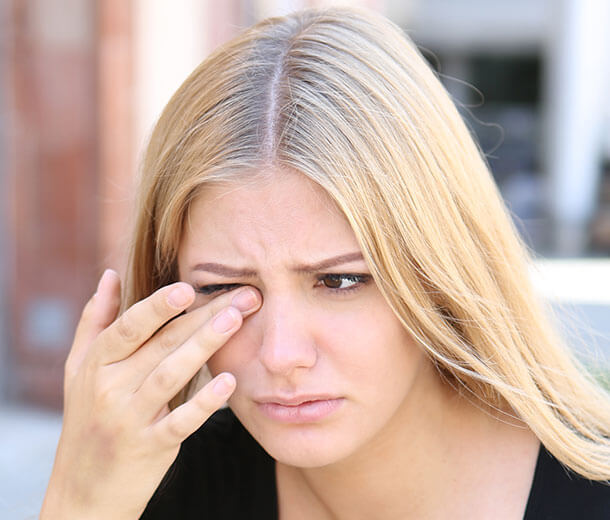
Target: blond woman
{"type": "Point", "coordinates": [313, 201]}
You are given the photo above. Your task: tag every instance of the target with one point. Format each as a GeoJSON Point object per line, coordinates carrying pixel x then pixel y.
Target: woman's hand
{"type": "Point", "coordinates": [119, 436]}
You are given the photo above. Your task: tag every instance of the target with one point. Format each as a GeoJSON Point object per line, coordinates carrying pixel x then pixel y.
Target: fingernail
{"type": "Point", "coordinates": [223, 386]}
{"type": "Point", "coordinates": [179, 296]}
{"type": "Point", "coordinates": [225, 321]}
{"type": "Point", "coordinates": [245, 300]}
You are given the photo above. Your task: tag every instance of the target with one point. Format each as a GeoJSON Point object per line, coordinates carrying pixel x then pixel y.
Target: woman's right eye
{"type": "Point", "coordinates": [216, 288]}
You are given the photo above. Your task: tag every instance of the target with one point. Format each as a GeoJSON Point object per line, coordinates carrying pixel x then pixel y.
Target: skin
{"type": "Point", "coordinates": [402, 441]}
{"type": "Point", "coordinates": [118, 436]}
{"type": "Point", "coordinates": [306, 338]}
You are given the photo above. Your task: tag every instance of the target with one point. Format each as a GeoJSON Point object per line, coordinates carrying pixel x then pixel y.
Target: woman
{"type": "Point", "coordinates": [313, 201]}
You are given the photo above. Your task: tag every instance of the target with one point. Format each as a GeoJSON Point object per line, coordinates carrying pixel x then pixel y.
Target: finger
{"type": "Point", "coordinates": [184, 420]}
{"type": "Point", "coordinates": [177, 369]}
{"type": "Point", "coordinates": [246, 299]}
{"type": "Point", "coordinates": [99, 312]}
{"type": "Point", "coordinates": [138, 323]}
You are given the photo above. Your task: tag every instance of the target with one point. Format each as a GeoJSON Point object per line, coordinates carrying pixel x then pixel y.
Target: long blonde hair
{"type": "Point", "coordinates": [343, 97]}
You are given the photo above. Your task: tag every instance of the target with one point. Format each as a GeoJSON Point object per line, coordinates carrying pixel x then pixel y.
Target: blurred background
{"type": "Point", "coordinates": [82, 82]}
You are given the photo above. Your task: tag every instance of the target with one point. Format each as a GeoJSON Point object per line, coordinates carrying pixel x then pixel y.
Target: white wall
{"type": "Point", "coordinates": [170, 40]}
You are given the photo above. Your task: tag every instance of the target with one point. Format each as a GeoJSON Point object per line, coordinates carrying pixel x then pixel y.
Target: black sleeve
{"type": "Point", "coordinates": [559, 494]}
{"type": "Point", "coordinates": [220, 473]}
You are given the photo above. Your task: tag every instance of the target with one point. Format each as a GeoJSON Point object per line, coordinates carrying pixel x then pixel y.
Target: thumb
{"type": "Point", "coordinates": [99, 312]}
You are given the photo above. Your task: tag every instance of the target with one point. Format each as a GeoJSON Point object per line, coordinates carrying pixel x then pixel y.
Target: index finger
{"type": "Point", "coordinates": [138, 323]}
{"type": "Point", "coordinates": [174, 334]}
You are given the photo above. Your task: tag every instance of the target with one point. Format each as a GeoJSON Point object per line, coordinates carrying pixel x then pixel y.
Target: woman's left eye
{"type": "Point", "coordinates": [343, 282]}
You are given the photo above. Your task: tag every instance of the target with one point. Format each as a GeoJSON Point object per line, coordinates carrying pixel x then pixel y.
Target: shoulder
{"type": "Point", "coordinates": [219, 468]}
{"type": "Point", "coordinates": [558, 493]}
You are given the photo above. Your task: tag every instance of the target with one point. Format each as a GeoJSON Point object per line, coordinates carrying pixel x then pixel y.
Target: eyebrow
{"type": "Point", "coordinates": [234, 272]}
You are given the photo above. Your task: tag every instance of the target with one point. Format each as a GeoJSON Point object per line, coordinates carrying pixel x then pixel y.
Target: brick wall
{"type": "Point", "coordinates": [67, 177]}
{"type": "Point", "coordinates": [52, 235]}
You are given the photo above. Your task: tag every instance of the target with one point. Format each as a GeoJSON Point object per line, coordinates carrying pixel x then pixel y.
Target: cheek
{"type": "Point", "coordinates": [375, 343]}
{"type": "Point", "coordinates": [360, 343]}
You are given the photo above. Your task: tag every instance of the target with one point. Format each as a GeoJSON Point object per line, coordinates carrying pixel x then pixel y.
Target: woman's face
{"type": "Point", "coordinates": [324, 368]}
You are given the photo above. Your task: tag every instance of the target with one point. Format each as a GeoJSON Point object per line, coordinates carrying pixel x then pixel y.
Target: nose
{"type": "Point", "coordinates": [287, 342]}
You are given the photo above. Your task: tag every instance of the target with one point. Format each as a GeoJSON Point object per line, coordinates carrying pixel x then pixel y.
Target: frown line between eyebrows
{"type": "Point", "coordinates": [235, 272]}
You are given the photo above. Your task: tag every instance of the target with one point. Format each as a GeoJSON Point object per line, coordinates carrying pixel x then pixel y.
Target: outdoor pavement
{"type": "Point", "coordinates": [28, 437]}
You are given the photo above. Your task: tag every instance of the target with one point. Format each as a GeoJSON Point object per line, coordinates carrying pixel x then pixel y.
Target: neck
{"type": "Point", "coordinates": [425, 464]}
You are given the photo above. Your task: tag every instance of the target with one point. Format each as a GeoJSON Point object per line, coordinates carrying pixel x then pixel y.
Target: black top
{"type": "Point", "coordinates": [222, 473]}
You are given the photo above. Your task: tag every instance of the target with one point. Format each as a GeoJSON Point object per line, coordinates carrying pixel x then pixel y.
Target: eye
{"type": "Point", "coordinates": [216, 288]}
{"type": "Point", "coordinates": [343, 282]}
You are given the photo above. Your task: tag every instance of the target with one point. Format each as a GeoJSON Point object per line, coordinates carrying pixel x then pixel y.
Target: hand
{"type": "Point", "coordinates": [119, 436]}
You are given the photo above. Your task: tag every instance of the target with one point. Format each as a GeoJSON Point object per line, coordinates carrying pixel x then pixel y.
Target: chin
{"type": "Point", "coordinates": [304, 445]}
{"type": "Point", "coordinates": [309, 446]}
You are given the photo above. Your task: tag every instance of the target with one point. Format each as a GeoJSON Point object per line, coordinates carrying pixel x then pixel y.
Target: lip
{"type": "Point", "coordinates": [299, 409]}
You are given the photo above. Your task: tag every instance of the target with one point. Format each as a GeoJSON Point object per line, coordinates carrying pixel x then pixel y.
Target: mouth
{"type": "Point", "coordinates": [299, 409]}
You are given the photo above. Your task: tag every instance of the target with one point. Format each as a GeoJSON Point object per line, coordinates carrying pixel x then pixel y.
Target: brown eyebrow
{"type": "Point", "coordinates": [234, 272]}
{"type": "Point", "coordinates": [225, 270]}
{"type": "Point", "coordinates": [329, 262]}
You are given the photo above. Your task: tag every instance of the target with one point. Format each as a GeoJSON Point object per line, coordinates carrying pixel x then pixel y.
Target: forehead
{"type": "Point", "coordinates": [281, 213]}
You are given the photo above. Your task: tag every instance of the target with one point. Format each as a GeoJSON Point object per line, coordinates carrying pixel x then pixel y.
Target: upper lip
{"type": "Point", "coordinates": [294, 400]}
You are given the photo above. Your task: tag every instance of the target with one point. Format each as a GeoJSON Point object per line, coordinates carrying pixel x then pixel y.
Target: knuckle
{"type": "Point", "coordinates": [108, 434]}
{"type": "Point", "coordinates": [204, 404]}
{"type": "Point", "coordinates": [160, 306]}
{"type": "Point", "coordinates": [176, 428]}
{"type": "Point", "coordinates": [126, 330]}
{"type": "Point", "coordinates": [163, 378]}
{"type": "Point", "coordinates": [167, 340]}
{"type": "Point", "coordinates": [104, 394]}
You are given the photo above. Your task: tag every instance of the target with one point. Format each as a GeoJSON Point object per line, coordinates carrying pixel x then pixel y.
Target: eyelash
{"type": "Point", "coordinates": [217, 287]}
{"type": "Point", "coordinates": [358, 281]}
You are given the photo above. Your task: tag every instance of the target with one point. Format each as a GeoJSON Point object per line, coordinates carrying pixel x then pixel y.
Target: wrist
{"type": "Point", "coordinates": [58, 505]}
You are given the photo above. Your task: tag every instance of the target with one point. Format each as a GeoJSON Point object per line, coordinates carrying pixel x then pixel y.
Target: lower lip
{"type": "Point", "coordinates": [310, 411]}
